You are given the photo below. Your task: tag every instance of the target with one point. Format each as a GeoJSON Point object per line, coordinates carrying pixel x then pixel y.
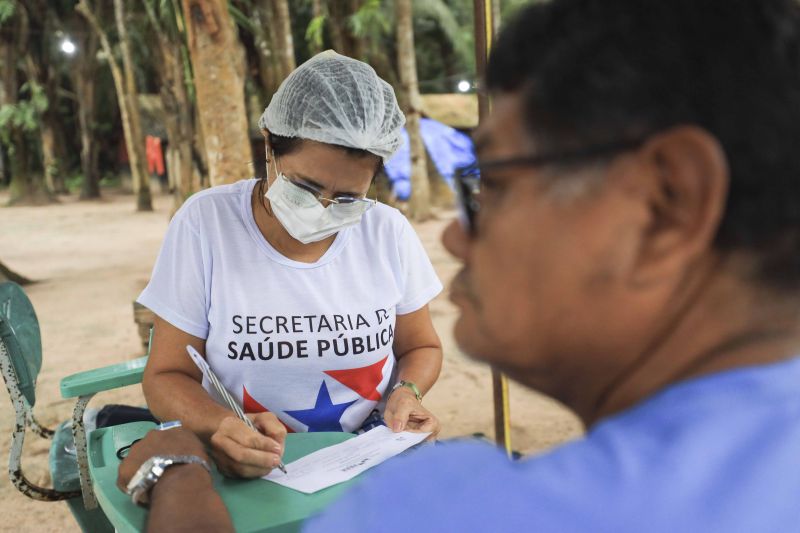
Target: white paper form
{"type": "Point", "coordinates": [343, 461]}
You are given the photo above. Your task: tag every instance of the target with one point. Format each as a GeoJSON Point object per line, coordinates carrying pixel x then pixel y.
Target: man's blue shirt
{"type": "Point", "coordinates": [716, 453]}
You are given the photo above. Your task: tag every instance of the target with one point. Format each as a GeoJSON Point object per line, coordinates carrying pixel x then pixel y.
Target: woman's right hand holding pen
{"type": "Point", "coordinates": [239, 451]}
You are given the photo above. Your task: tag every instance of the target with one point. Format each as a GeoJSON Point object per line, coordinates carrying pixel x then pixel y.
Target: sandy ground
{"type": "Point", "coordinates": [91, 259]}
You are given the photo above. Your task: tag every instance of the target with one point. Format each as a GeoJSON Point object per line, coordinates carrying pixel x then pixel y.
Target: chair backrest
{"type": "Point", "coordinates": [19, 332]}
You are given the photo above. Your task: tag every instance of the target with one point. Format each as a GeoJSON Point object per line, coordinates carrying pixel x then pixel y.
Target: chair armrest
{"type": "Point", "coordinates": [102, 379]}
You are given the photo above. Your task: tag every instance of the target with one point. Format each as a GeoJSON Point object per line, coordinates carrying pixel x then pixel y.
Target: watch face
{"type": "Point", "coordinates": [139, 477]}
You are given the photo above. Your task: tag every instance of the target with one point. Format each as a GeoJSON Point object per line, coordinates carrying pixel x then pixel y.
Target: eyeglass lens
{"type": "Point", "coordinates": [467, 187]}
{"type": "Point", "coordinates": [338, 199]}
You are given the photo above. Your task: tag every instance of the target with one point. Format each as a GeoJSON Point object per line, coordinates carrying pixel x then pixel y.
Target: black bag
{"type": "Point", "coordinates": [113, 415]}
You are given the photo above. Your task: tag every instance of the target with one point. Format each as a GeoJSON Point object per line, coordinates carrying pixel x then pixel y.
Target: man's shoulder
{"type": "Point", "coordinates": [684, 460]}
{"type": "Point", "coordinates": [452, 486]}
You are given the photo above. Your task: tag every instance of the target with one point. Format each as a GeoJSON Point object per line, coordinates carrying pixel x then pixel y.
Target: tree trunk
{"type": "Point", "coordinates": [357, 47]}
{"type": "Point", "coordinates": [26, 187]}
{"type": "Point", "coordinates": [83, 79]}
{"type": "Point", "coordinates": [213, 44]}
{"type": "Point", "coordinates": [381, 62]}
{"type": "Point", "coordinates": [4, 177]}
{"type": "Point", "coordinates": [53, 178]}
{"type": "Point", "coordinates": [39, 71]}
{"type": "Point", "coordinates": [420, 202]}
{"type": "Point", "coordinates": [495, 18]}
{"type": "Point", "coordinates": [177, 111]}
{"type": "Point", "coordinates": [283, 37]}
{"type": "Point", "coordinates": [267, 63]}
{"type": "Point", "coordinates": [141, 178]}
{"type": "Point", "coordinates": [180, 138]}
{"type": "Point", "coordinates": [343, 39]}
{"type": "Point", "coordinates": [337, 21]}
{"type": "Point", "coordinates": [199, 154]}
{"type": "Point", "coordinates": [317, 10]}
{"type": "Point", "coordinates": [51, 121]}
{"type": "Point", "coordinates": [133, 142]}
{"type": "Point", "coordinates": [441, 193]}
{"type": "Point", "coordinates": [50, 132]}
{"type": "Point", "coordinates": [50, 162]}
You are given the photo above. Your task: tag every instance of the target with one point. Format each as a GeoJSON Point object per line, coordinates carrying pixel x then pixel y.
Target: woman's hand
{"type": "Point", "coordinates": [239, 451]}
{"type": "Point", "coordinates": [405, 413]}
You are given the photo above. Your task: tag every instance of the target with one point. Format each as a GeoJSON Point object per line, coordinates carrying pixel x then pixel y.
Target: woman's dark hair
{"type": "Point", "coordinates": [285, 145]}
{"type": "Point", "coordinates": [598, 71]}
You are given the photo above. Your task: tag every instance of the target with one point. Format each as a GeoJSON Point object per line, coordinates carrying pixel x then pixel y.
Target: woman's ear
{"type": "Point", "coordinates": [267, 145]}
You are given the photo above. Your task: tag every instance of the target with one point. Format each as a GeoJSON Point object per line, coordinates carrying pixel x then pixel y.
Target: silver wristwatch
{"type": "Point", "coordinates": [150, 472]}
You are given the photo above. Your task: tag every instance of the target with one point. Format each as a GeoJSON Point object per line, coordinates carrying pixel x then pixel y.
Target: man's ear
{"type": "Point", "coordinates": [688, 185]}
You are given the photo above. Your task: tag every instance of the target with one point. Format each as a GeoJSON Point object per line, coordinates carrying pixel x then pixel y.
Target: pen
{"type": "Point", "coordinates": [233, 404]}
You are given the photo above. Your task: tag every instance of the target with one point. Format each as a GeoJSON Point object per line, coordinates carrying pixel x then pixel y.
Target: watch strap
{"type": "Point", "coordinates": [186, 460]}
{"type": "Point", "coordinates": [151, 471]}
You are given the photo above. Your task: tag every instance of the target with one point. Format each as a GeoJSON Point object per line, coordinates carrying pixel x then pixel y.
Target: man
{"type": "Point", "coordinates": [636, 256]}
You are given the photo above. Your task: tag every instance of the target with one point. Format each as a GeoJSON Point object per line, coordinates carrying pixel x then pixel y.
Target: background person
{"type": "Point", "coordinates": [307, 298]}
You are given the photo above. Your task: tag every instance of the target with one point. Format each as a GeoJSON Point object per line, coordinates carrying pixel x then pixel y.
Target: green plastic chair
{"type": "Point", "coordinates": [20, 362]}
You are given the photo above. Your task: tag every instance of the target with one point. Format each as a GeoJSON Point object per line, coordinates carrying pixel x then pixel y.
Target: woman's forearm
{"type": "Point", "coordinates": [421, 366]}
{"type": "Point", "coordinates": [176, 396]}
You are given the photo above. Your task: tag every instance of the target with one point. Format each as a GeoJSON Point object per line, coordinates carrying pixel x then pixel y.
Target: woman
{"type": "Point", "coordinates": [309, 300]}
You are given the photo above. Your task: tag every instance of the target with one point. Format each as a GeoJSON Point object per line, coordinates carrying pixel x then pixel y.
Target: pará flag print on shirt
{"type": "Point", "coordinates": [324, 414]}
{"type": "Point", "coordinates": [309, 342]}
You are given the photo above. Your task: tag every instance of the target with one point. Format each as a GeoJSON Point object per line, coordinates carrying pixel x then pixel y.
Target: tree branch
{"type": "Point", "coordinates": [86, 11]}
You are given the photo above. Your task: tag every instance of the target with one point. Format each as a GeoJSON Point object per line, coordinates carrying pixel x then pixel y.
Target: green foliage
{"type": "Point", "coordinates": [442, 38]}
{"type": "Point", "coordinates": [510, 7]}
{"type": "Point", "coordinates": [24, 115]}
{"type": "Point", "coordinates": [443, 42]}
{"type": "Point", "coordinates": [315, 32]}
{"type": "Point", "coordinates": [372, 19]}
{"type": "Point", "coordinates": [440, 13]}
{"type": "Point", "coordinates": [111, 180]}
{"type": "Point", "coordinates": [7, 8]}
{"type": "Point", "coordinates": [74, 183]}
{"type": "Point", "coordinates": [240, 18]}
{"type": "Point", "coordinates": [188, 75]}
{"type": "Point", "coordinates": [169, 18]}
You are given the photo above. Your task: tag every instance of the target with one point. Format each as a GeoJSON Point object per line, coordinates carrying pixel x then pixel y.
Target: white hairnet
{"type": "Point", "coordinates": [335, 99]}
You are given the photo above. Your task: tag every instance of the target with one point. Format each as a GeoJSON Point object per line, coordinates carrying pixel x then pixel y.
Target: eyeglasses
{"type": "Point", "coordinates": [467, 179]}
{"type": "Point", "coordinates": [340, 199]}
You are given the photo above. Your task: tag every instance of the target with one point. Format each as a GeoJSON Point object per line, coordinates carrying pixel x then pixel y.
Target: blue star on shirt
{"type": "Point", "coordinates": [325, 415]}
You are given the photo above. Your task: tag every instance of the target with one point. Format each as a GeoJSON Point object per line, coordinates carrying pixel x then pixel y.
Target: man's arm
{"type": "Point", "coordinates": [184, 498]}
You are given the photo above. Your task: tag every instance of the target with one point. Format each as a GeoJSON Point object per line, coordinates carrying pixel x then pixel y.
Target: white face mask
{"type": "Point", "coordinates": [304, 217]}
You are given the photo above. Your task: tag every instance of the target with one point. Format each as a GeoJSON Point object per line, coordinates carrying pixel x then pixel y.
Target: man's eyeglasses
{"type": "Point", "coordinates": [467, 179]}
{"type": "Point", "coordinates": [341, 199]}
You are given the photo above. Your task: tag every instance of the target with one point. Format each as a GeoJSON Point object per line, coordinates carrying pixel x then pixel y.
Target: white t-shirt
{"type": "Point", "coordinates": [309, 342]}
